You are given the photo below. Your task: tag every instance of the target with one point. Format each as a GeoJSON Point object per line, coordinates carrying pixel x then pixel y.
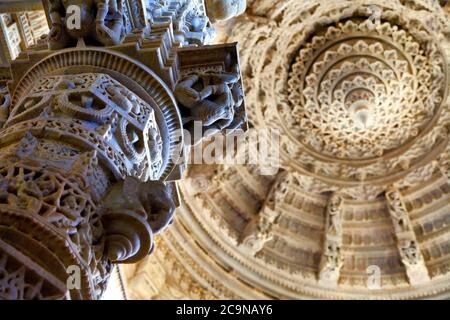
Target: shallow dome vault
{"type": "Point", "coordinates": [359, 92]}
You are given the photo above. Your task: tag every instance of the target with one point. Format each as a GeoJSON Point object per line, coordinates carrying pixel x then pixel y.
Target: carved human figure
{"type": "Point", "coordinates": [282, 189]}
{"type": "Point", "coordinates": [407, 243]}
{"type": "Point", "coordinates": [123, 98]}
{"type": "Point", "coordinates": [224, 9]}
{"type": "Point", "coordinates": [101, 20]}
{"type": "Point", "coordinates": [259, 230]}
{"type": "Point", "coordinates": [331, 264]}
{"type": "Point", "coordinates": [374, 20]}
{"type": "Point", "coordinates": [214, 99]}
{"type": "Point", "coordinates": [257, 233]}
{"type": "Point", "coordinates": [334, 215]}
{"type": "Point", "coordinates": [333, 257]}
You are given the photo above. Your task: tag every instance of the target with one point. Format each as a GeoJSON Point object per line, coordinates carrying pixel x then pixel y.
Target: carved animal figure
{"type": "Point", "coordinates": [5, 102]}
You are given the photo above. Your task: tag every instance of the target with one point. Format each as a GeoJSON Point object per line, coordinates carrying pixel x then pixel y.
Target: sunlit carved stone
{"type": "Point", "coordinates": [70, 20]}
{"type": "Point", "coordinates": [90, 137]}
{"type": "Point", "coordinates": [224, 9]}
{"type": "Point", "coordinates": [407, 243]}
{"type": "Point", "coordinates": [332, 259]}
{"type": "Point", "coordinates": [358, 91]}
{"type": "Point", "coordinates": [5, 102]}
{"type": "Point", "coordinates": [259, 230]}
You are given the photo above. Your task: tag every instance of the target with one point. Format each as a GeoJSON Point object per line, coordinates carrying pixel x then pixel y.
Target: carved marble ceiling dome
{"type": "Point", "coordinates": [359, 92]}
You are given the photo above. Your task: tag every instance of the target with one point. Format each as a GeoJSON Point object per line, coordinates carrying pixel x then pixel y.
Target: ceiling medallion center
{"type": "Point", "coordinates": [359, 93]}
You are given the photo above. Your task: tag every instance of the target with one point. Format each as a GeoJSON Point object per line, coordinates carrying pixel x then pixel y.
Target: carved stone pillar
{"type": "Point", "coordinates": [89, 141]}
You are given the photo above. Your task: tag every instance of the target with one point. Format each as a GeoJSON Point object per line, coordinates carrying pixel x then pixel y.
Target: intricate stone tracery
{"type": "Point", "coordinates": [354, 86]}
{"type": "Point", "coordinates": [90, 137]}
{"type": "Point", "coordinates": [102, 20]}
{"type": "Point", "coordinates": [359, 92]}
{"type": "Point", "coordinates": [407, 243]}
{"type": "Point", "coordinates": [368, 94]}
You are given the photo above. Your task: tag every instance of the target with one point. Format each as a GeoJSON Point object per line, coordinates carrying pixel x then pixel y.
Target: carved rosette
{"type": "Point", "coordinates": [332, 259]}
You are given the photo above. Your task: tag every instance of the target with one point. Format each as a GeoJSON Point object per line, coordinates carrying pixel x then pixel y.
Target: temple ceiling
{"type": "Point", "coordinates": [359, 208]}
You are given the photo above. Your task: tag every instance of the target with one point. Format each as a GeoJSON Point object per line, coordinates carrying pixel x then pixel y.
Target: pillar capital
{"type": "Point", "coordinates": [92, 133]}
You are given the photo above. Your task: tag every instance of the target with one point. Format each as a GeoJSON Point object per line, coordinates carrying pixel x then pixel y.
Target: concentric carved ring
{"type": "Point", "coordinates": [362, 100]}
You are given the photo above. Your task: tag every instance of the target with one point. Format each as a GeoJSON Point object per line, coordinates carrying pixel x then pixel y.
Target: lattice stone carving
{"type": "Point", "coordinates": [21, 278]}
{"type": "Point", "coordinates": [350, 86]}
{"type": "Point", "coordinates": [61, 222]}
